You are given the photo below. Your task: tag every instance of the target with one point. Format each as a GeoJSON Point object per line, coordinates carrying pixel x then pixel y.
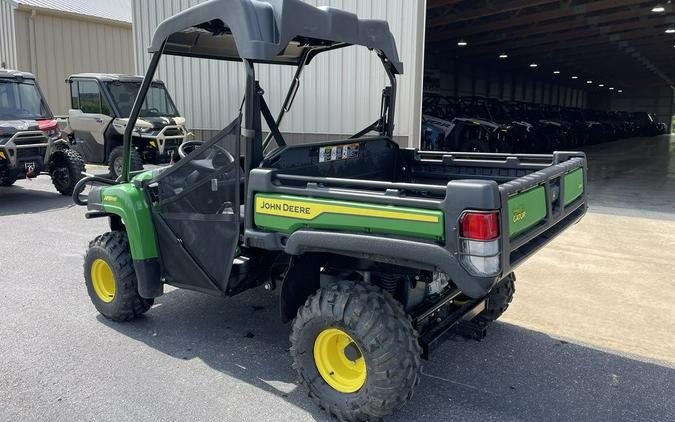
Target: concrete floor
{"type": "Point", "coordinates": [589, 336]}
{"type": "Point", "coordinates": [610, 281]}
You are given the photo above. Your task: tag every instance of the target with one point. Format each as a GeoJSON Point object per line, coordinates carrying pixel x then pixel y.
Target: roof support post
{"type": "Point", "coordinates": [135, 111]}
{"type": "Point", "coordinates": [252, 123]}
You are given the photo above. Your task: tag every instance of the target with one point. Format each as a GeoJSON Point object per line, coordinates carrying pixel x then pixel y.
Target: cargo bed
{"type": "Point", "coordinates": [413, 195]}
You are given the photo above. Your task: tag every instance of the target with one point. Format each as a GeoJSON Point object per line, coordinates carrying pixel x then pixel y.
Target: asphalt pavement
{"type": "Point", "coordinates": [195, 357]}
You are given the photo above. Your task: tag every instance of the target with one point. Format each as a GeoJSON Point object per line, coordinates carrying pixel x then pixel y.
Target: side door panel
{"type": "Point", "coordinates": [197, 215]}
{"type": "Point", "coordinates": [87, 120]}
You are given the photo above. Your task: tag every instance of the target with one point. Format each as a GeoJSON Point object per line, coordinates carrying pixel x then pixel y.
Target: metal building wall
{"type": "Point", "coordinates": [7, 41]}
{"type": "Point", "coordinates": [340, 92]}
{"type": "Point", "coordinates": [54, 45]}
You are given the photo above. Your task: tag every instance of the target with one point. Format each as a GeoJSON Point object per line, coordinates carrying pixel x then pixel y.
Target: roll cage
{"type": "Point", "coordinates": [268, 32]}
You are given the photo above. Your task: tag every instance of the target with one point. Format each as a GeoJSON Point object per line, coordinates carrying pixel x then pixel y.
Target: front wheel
{"type": "Point", "coordinates": [66, 170]}
{"type": "Point", "coordinates": [116, 162]}
{"type": "Point", "coordinates": [7, 181]}
{"type": "Point", "coordinates": [356, 351]}
{"type": "Point", "coordinates": [111, 280]}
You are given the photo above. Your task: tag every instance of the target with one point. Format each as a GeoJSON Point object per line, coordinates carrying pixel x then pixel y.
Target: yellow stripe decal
{"type": "Point", "coordinates": [307, 210]}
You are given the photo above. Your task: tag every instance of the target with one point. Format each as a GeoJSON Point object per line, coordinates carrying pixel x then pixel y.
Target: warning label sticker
{"type": "Point", "coordinates": [338, 152]}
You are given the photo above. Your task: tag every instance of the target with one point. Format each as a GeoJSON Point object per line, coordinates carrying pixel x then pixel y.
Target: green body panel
{"type": "Point", "coordinates": [128, 202]}
{"type": "Point", "coordinates": [327, 214]}
{"type": "Point", "coordinates": [526, 210]}
{"type": "Point", "coordinates": [574, 185]}
{"type": "Point", "coordinates": [145, 176]}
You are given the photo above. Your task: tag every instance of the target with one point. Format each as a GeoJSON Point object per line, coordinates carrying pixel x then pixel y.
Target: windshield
{"type": "Point", "coordinates": [157, 103]}
{"type": "Point", "coordinates": [21, 100]}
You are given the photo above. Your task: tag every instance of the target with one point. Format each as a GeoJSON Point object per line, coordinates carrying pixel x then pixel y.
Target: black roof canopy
{"type": "Point", "coordinates": [268, 31]}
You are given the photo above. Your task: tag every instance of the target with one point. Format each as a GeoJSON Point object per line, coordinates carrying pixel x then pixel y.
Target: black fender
{"type": "Point", "coordinates": [420, 255]}
{"type": "Point", "coordinates": [301, 280]}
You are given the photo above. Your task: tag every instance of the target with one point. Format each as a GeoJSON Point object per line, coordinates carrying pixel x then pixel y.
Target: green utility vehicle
{"type": "Point", "coordinates": [30, 140]}
{"type": "Point", "coordinates": [100, 108]}
{"type": "Point", "coordinates": [377, 251]}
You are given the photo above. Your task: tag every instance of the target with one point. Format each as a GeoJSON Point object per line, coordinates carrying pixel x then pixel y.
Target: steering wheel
{"type": "Point", "coordinates": [188, 147]}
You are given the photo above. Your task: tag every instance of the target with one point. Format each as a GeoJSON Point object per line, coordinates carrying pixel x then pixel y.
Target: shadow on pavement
{"type": "Point", "coordinates": [24, 200]}
{"type": "Point", "coordinates": [514, 374]}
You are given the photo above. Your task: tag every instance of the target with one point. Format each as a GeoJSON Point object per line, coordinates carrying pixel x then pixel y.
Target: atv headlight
{"type": "Point", "coordinates": [143, 130]}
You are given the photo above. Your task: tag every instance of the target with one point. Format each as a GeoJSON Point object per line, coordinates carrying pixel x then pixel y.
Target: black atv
{"type": "Point", "coordinates": [30, 139]}
{"type": "Point", "coordinates": [447, 125]}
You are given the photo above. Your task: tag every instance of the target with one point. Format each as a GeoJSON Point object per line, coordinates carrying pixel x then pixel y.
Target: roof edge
{"type": "Point", "coordinates": [55, 12]}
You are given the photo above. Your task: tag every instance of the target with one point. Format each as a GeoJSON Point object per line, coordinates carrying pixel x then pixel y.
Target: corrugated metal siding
{"type": "Point", "coordinates": [7, 41]}
{"type": "Point", "coordinates": [55, 46]}
{"type": "Point", "coordinates": [340, 91]}
{"type": "Point", "coordinates": [118, 10]}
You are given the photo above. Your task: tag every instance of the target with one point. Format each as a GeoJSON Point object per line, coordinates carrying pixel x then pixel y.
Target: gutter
{"type": "Point", "coordinates": [78, 16]}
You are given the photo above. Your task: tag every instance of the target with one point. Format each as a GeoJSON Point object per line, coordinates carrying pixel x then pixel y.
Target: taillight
{"type": "Point", "coordinates": [480, 226]}
{"type": "Point", "coordinates": [479, 242]}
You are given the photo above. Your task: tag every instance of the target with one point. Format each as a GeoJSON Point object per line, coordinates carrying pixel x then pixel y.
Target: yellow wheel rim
{"type": "Point", "coordinates": [339, 360]}
{"type": "Point", "coordinates": [102, 280]}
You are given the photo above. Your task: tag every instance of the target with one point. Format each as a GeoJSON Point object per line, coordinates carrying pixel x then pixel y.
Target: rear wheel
{"type": "Point", "coordinates": [111, 280]}
{"type": "Point", "coordinates": [116, 162]}
{"type": "Point", "coordinates": [356, 351]}
{"type": "Point", "coordinates": [66, 170]}
{"type": "Point", "coordinates": [498, 300]}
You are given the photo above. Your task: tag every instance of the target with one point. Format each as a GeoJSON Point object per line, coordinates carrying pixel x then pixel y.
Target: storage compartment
{"type": "Point", "coordinates": [381, 160]}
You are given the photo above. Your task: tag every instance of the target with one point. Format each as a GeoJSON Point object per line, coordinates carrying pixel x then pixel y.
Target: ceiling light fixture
{"type": "Point", "coordinates": [462, 43]}
{"type": "Point", "coordinates": [621, 90]}
{"type": "Point", "coordinates": [575, 77]}
{"type": "Point", "coordinates": [658, 9]}
{"type": "Point", "coordinates": [556, 72]}
{"type": "Point", "coordinates": [601, 85]}
{"type": "Point", "coordinates": [533, 65]}
{"type": "Point", "coordinates": [670, 31]}
{"type": "Point", "coordinates": [503, 56]}
{"type": "Point", "coordinates": [589, 82]}
{"type": "Point", "coordinates": [611, 88]}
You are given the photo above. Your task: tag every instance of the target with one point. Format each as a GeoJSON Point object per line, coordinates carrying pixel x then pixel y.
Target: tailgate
{"type": "Point", "coordinates": [541, 205]}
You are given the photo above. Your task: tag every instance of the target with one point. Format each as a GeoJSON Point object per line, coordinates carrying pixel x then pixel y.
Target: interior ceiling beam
{"type": "Point", "coordinates": [579, 22]}
{"type": "Point", "coordinates": [613, 32]}
{"type": "Point", "coordinates": [435, 4]}
{"type": "Point", "coordinates": [571, 47]}
{"type": "Point", "coordinates": [481, 12]}
{"type": "Point", "coordinates": [538, 18]}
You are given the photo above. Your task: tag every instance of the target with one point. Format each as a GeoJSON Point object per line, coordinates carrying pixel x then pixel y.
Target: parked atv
{"type": "Point", "coordinates": [378, 251]}
{"type": "Point", "coordinates": [519, 135]}
{"type": "Point", "coordinates": [30, 140]}
{"type": "Point", "coordinates": [647, 124]}
{"type": "Point", "coordinates": [100, 106]}
{"type": "Point", "coordinates": [446, 127]}
{"type": "Point", "coordinates": [553, 134]}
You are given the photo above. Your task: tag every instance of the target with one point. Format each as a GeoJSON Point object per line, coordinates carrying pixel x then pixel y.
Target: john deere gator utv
{"type": "Point", "coordinates": [100, 107]}
{"type": "Point", "coordinates": [30, 139]}
{"type": "Point", "coordinates": [377, 251]}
